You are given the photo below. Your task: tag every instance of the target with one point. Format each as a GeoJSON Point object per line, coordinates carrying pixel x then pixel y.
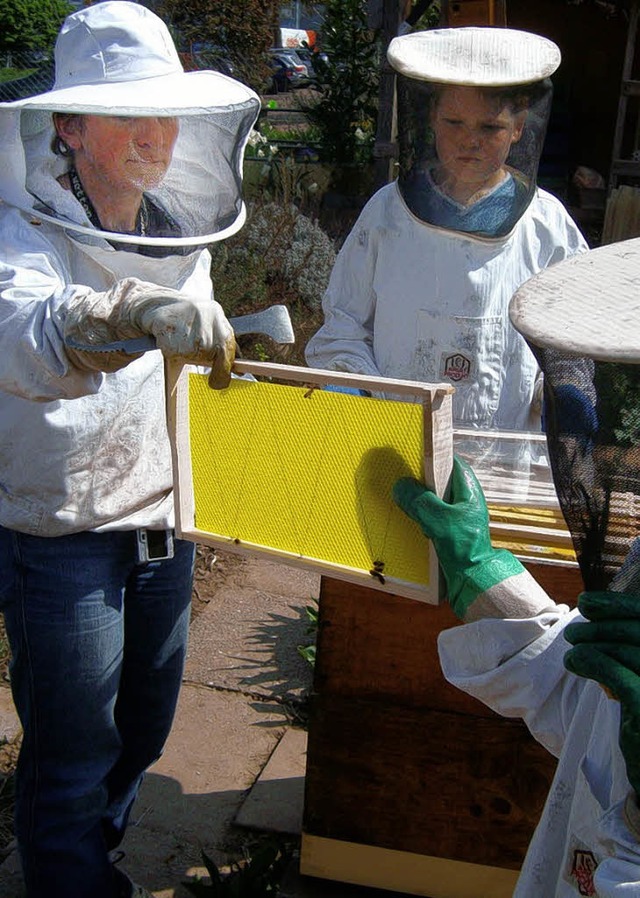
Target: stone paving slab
{"type": "Point", "coordinates": [242, 667]}
{"type": "Point", "coordinates": [276, 800]}
{"type": "Point", "coordinates": [217, 748]}
{"type": "Point", "coordinates": [219, 744]}
{"type": "Point", "coordinates": [246, 638]}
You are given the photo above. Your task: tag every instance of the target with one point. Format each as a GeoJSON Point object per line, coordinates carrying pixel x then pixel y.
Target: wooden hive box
{"type": "Point", "coordinates": [412, 785]}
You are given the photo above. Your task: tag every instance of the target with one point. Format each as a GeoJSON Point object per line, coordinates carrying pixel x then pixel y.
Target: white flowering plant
{"type": "Point", "coordinates": [259, 147]}
{"type": "Point", "coordinates": [280, 256]}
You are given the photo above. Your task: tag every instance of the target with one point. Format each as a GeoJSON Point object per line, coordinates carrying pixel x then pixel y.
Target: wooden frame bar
{"type": "Point", "coordinates": [437, 460]}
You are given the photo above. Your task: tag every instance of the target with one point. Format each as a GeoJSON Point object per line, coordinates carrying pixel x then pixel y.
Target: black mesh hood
{"type": "Point", "coordinates": [424, 177]}
{"type": "Point", "coordinates": [592, 422]}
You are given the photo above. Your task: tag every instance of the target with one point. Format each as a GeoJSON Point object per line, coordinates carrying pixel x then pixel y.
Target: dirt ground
{"type": "Point", "coordinates": [213, 569]}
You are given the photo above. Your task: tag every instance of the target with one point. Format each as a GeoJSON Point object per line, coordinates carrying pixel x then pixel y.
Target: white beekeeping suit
{"type": "Point", "coordinates": [421, 287]}
{"type": "Point", "coordinates": [67, 280]}
{"type": "Point", "coordinates": [111, 187]}
{"type": "Point", "coordinates": [514, 651]}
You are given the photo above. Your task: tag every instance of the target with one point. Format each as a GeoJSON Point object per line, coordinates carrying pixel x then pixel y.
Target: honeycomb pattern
{"type": "Point", "coordinates": [308, 473]}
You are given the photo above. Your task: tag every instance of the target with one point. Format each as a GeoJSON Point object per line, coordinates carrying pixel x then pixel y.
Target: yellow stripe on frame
{"type": "Point", "coordinates": [402, 871]}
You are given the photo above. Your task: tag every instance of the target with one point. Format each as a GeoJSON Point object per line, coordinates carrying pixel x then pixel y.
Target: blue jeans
{"type": "Point", "coordinates": [98, 646]}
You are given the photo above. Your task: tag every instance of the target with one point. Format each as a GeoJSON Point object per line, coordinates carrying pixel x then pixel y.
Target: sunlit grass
{"type": "Point", "coordinates": [11, 74]}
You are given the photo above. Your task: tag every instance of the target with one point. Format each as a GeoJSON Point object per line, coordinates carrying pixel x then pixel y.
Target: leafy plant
{"type": "Point", "coordinates": [278, 247]}
{"type": "Point", "coordinates": [279, 256]}
{"type": "Point", "coordinates": [260, 352]}
{"type": "Point", "coordinates": [257, 876]}
{"type": "Point", "coordinates": [345, 112]}
{"type": "Point", "coordinates": [259, 147]}
{"type": "Point", "coordinates": [429, 18]}
{"type": "Point", "coordinates": [245, 37]}
{"type": "Point", "coordinates": [308, 652]}
{"type": "Point", "coordinates": [618, 388]}
{"type": "Point", "coordinates": [12, 74]}
{"type": "Point", "coordinates": [31, 24]}
{"type": "Point", "coordinates": [300, 133]}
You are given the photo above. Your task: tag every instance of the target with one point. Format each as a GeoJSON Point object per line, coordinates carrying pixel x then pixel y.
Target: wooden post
{"type": "Point", "coordinates": [385, 148]}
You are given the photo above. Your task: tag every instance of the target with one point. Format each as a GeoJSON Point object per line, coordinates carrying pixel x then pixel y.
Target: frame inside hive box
{"type": "Point", "coordinates": [278, 464]}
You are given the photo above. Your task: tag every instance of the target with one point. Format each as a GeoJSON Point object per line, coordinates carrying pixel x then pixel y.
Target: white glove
{"type": "Point", "coordinates": [190, 328]}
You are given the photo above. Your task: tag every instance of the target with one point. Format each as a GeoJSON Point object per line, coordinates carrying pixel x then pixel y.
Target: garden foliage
{"type": "Point", "coordinates": [345, 113]}
{"type": "Point", "coordinates": [245, 31]}
{"type": "Point", "coordinates": [31, 24]}
{"type": "Point", "coordinates": [258, 876]}
{"type": "Point", "coordinates": [280, 256]}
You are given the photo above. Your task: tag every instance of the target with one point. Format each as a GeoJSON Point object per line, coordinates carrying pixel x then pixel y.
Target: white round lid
{"type": "Point", "coordinates": [486, 57]}
{"type": "Point", "coordinates": [588, 305]}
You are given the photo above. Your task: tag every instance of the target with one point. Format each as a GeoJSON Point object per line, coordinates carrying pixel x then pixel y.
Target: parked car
{"type": "Point", "coordinates": [207, 55]}
{"type": "Point", "coordinates": [310, 57]}
{"type": "Point", "coordinates": [314, 61]}
{"type": "Point", "coordinates": [288, 70]}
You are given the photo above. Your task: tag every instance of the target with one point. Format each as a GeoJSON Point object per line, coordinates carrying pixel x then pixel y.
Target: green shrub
{"type": "Point", "coordinates": [345, 112]}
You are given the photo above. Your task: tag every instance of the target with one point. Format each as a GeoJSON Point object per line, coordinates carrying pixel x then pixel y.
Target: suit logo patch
{"type": "Point", "coordinates": [456, 367]}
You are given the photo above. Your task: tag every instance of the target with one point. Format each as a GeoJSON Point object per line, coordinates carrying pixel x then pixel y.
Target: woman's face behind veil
{"type": "Point", "coordinates": [124, 153]}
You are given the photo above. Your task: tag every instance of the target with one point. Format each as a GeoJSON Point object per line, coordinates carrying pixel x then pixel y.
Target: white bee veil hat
{"type": "Point", "coordinates": [588, 305]}
{"type": "Point", "coordinates": [581, 319]}
{"type": "Point", "coordinates": [460, 90]}
{"type": "Point", "coordinates": [117, 58]}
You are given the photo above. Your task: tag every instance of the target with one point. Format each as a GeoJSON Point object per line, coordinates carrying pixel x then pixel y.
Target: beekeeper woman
{"type": "Point", "coordinates": [112, 185]}
{"type": "Point", "coordinates": [421, 287]}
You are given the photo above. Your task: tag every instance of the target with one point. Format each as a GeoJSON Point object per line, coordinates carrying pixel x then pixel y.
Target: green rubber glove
{"type": "Point", "coordinates": [459, 530]}
{"type": "Point", "coordinates": [607, 649]}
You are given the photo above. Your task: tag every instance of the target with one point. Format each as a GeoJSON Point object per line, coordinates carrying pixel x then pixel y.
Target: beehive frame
{"type": "Point", "coordinates": [280, 466]}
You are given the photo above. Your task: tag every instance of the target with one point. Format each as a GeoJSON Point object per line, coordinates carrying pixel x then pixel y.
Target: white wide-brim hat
{"type": "Point", "coordinates": [587, 305]}
{"type": "Point", "coordinates": [482, 57]}
{"type": "Point", "coordinates": [118, 57]}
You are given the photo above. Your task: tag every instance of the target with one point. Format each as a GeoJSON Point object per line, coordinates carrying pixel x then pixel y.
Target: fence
{"type": "Point", "coordinates": [23, 74]}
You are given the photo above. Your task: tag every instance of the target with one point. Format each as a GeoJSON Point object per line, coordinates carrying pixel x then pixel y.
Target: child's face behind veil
{"type": "Point", "coordinates": [474, 130]}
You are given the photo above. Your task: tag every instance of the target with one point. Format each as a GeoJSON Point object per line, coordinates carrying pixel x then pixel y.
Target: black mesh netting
{"type": "Point", "coordinates": [421, 165]}
{"type": "Point", "coordinates": [592, 421]}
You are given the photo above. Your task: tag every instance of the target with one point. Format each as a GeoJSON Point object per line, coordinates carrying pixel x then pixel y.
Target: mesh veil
{"type": "Point", "coordinates": [466, 119]}
{"type": "Point", "coordinates": [592, 422]}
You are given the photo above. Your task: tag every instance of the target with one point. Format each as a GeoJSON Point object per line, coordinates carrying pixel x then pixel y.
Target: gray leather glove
{"type": "Point", "coordinates": [190, 328]}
